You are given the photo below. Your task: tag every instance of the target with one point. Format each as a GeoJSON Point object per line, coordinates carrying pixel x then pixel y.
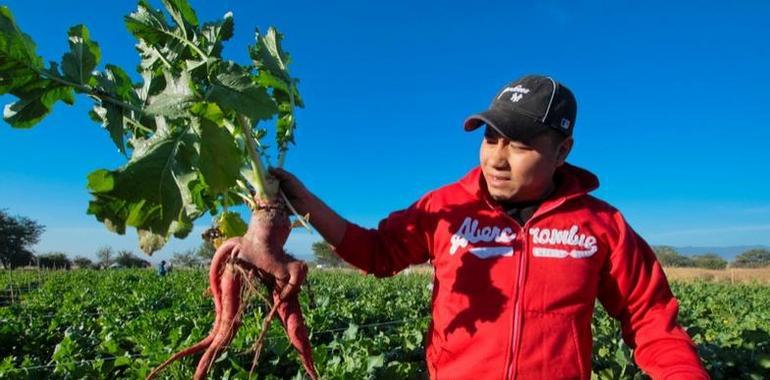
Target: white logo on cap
{"type": "Point", "coordinates": [565, 123]}
{"type": "Point", "coordinates": [518, 92]}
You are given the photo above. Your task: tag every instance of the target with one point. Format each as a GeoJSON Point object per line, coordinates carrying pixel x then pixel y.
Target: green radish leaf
{"type": "Point", "coordinates": [161, 41]}
{"type": "Point", "coordinates": [209, 111]}
{"type": "Point", "coordinates": [268, 80]}
{"type": "Point", "coordinates": [285, 126]}
{"type": "Point", "coordinates": [111, 118]}
{"type": "Point", "coordinates": [248, 174]}
{"type": "Point", "coordinates": [169, 105]}
{"type": "Point", "coordinates": [233, 90]}
{"type": "Point", "coordinates": [175, 100]}
{"type": "Point", "coordinates": [109, 211]}
{"type": "Point", "coordinates": [181, 12]}
{"type": "Point", "coordinates": [151, 57]}
{"type": "Point", "coordinates": [137, 214]}
{"type": "Point", "coordinates": [159, 171]}
{"type": "Point", "coordinates": [220, 157]}
{"type": "Point", "coordinates": [268, 55]}
{"type": "Point", "coordinates": [84, 55]}
{"type": "Point", "coordinates": [101, 181]}
{"type": "Point", "coordinates": [157, 48]}
{"type": "Point", "coordinates": [151, 191]}
{"type": "Point", "coordinates": [20, 69]}
{"type": "Point", "coordinates": [217, 32]}
{"type": "Point", "coordinates": [19, 64]}
{"type": "Point", "coordinates": [198, 69]}
{"type": "Point", "coordinates": [35, 102]}
{"type": "Point", "coordinates": [148, 24]}
{"type": "Point", "coordinates": [201, 197]}
{"type": "Point", "coordinates": [115, 81]}
{"type": "Point", "coordinates": [231, 224]}
{"type": "Point", "coordinates": [272, 62]}
{"type": "Point", "coordinates": [182, 226]}
{"type": "Point", "coordinates": [285, 130]}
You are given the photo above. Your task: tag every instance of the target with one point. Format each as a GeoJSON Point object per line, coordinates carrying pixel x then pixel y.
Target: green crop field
{"type": "Point", "coordinates": [120, 324]}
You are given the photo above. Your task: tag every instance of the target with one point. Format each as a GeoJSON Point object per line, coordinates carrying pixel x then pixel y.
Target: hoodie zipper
{"type": "Point", "coordinates": [517, 305]}
{"type": "Point", "coordinates": [521, 280]}
{"type": "Point", "coordinates": [512, 362]}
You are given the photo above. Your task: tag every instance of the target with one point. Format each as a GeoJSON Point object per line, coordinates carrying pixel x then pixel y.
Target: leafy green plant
{"type": "Point", "coordinates": [189, 128]}
{"type": "Point", "coordinates": [361, 327]}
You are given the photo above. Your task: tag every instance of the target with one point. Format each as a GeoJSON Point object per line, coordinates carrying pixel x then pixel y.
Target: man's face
{"type": "Point", "coordinates": [519, 172]}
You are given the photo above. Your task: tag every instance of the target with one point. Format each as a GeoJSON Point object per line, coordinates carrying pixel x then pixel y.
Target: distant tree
{"type": "Point", "coordinates": [206, 250]}
{"type": "Point", "coordinates": [83, 262]}
{"type": "Point", "coordinates": [104, 257]}
{"type": "Point", "coordinates": [324, 255]}
{"type": "Point", "coordinates": [709, 261]}
{"type": "Point", "coordinates": [669, 257]}
{"type": "Point", "coordinates": [22, 258]}
{"type": "Point", "coordinates": [188, 258]}
{"type": "Point", "coordinates": [753, 258]}
{"type": "Point", "coordinates": [127, 259]}
{"type": "Point", "coordinates": [54, 260]}
{"type": "Point", "coordinates": [17, 235]}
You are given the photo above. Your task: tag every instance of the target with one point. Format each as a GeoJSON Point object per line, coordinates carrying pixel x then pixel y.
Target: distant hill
{"type": "Point", "coordinates": [727, 253]}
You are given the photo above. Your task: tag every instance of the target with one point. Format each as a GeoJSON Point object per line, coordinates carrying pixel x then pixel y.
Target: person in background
{"type": "Point", "coordinates": [162, 268]}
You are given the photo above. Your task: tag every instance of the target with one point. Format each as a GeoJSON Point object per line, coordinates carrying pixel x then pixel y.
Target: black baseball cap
{"type": "Point", "coordinates": [528, 107]}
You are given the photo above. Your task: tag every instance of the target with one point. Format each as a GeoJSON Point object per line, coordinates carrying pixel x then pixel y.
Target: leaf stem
{"type": "Point", "coordinates": [249, 201]}
{"type": "Point", "coordinates": [282, 152]}
{"type": "Point", "coordinates": [89, 90]}
{"type": "Point", "coordinates": [198, 50]}
{"type": "Point", "coordinates": [188, 43]}
{"type": "Point", "coordinates": [256, 161]}
{"type": "Point", "coordinates": [300, 218]}
{"type": "Point", "coordinates": [138, 125]}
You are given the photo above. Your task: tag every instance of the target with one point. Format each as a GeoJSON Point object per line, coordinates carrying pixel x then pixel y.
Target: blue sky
{"type": "Point", "coordinates": [672, 115]}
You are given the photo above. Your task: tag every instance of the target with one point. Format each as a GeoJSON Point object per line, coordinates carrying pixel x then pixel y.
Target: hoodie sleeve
{"type": "Point", "coordinates": [400, 240]}
{"type": "Point", "coordinates": [634, 290]}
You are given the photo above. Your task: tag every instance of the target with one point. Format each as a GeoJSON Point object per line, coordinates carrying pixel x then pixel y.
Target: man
{"type": "Point", "coordinates": [521, 252]}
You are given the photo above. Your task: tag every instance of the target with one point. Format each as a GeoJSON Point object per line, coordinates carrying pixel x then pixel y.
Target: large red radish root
{"type": "Point", "coordinates": [258, 254]}
{"type": "Point", "coordinates": [229, 320]}
{"type": "Point", "coordinates": [223, 253]}
{"type": "Point", "coordinates": [294, 323]}
{"type": "Point", "coordinates": [262, 248]}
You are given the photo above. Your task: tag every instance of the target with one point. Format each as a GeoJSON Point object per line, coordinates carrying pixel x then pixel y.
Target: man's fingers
{"type": "Point", "coordinates": [297, 274]}
{"type": "Point", "coordinates": [286, 180]}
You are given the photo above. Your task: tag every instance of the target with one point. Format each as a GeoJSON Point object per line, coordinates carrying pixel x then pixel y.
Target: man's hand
{"type": "Point", "coordinates": [295, 191]}
{"type": "Point", "coordinates": [327, 222]}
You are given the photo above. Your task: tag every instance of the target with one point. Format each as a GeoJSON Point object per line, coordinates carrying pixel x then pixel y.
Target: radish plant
{"type": "Point", "coordinates": [190, 132]}
{"type": "Point", "coordinates": [189, 129]}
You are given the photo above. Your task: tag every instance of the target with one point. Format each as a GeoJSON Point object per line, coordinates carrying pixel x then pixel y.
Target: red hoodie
{"type": "Point", "coordinates": [515, 302]}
